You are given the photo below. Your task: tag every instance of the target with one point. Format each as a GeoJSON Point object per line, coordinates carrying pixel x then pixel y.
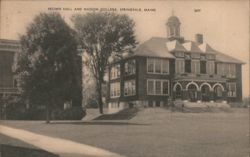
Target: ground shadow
{"type": "Point", "coordinates": [14, 151]}
{"type": "Point", "coordinates": [95, 123]}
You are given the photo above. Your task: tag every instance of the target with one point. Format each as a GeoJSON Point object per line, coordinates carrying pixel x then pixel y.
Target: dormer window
{"type": "Point", "coordinates": [195, 55]}
{"type": "Point", "coordinates": [179, 54]}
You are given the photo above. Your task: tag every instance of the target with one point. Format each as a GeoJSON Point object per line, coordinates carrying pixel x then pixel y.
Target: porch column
{"type": "Point", "coordinates": [199, 96]}
{"type": "Point", "coordinates": [224, 96]}
{"type": "Point", "coordinates": [173, 95]}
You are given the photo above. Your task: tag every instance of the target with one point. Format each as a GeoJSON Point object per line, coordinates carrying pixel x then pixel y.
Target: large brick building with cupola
{"type": "Point", "coordinates": [176, 68]}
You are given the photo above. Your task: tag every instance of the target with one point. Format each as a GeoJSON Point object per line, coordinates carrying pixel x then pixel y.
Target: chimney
{"type": "Point", "coordinates": [199, 38]}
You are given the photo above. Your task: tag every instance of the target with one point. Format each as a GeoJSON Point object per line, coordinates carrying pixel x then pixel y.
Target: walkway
{"type": "Point", "coordinates": [62, 147]}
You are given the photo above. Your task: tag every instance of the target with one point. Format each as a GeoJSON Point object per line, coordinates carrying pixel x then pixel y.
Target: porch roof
{"type": "Point", "coordinates": [200, 78]}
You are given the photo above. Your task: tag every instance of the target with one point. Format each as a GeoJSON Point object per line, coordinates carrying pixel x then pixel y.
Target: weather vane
{"type": "Point", "coordinates": [172, 12]}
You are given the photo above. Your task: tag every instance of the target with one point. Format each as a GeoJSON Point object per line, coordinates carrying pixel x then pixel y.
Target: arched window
{"type": "Point", "coordinates": [218, 91]}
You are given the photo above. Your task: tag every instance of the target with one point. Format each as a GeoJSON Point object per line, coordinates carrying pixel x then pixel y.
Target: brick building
{"type": "Point", "coordinates": [8, 48]}
{"type": "Point", "coordinates": [176, 68]}
{"type": "Point", "coordinates": [8, 84]}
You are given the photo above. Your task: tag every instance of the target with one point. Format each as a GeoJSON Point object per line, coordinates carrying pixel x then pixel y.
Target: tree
{"type": "Point", "coordinates": [88, 85]}
{"type": "Point", "coordinates": [100, 35]}
{"type": "Point", "coordinates": [48, 67]}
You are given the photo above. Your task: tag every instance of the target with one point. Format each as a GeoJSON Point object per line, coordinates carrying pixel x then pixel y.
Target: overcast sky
{"type": "Point", "coordinates": [224, 24]}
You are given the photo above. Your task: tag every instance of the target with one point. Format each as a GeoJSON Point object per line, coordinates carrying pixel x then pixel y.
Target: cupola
{"type": "Point", "coordinates": [173, 27]}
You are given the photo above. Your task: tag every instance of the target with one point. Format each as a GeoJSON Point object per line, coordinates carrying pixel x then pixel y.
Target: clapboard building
{"type": "Point", "coordinates": [176, 68]}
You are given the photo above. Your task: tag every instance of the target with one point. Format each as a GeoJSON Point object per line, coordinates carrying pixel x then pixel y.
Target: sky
{"type": "Point", "coordinates": [224, 24]}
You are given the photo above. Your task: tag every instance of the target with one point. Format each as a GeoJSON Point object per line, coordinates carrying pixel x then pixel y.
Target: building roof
{"type": "Point", "coordinates": [192, 46]}
{"type": "Point", "coordinates": [221, 57]}
{"type": "Point", "coordinates": [175, 45]}
{"type": "Point", "coordinates": [162, 47]}
{"type": "Point", "coordinates": [173, 19]}
{"type": "Point", "coordinates": [154, 47]}
{"type": "Point", "coordinates": [205, 48]}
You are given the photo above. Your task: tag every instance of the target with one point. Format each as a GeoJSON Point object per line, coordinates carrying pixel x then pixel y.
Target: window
{"type": "Point", "coordinates": [171, 31]}
{"type": "Point", "coordinates": [188, 66]}
{"type": "Point", "coordinates": [220, 69]}
{"type": "Point", "coordinates": [231, 71]}
{"type": "Point", "coordinates": [195, 66]}
{"type": "Point", "coordinates": [165, 87]}
{"type": "Point", "coordinates": [210, 67]}
{"type": "Point", "coordinates": [115, 71]}
{"type": "Point", "coordinates": [226, 69]}
{"type": "Point", "coordinates": [157, 66]}
{"type": "Point", "coordinates": [203, 67]}
{"type": "Point", "coordinates": [150, 87]}
{"type": "Point", "coordinates": [115, 89]}
{"type": "Point", "coordinates": [129, 88]}
{"type": "Point", "coordinates": [150, 65]}
{"type": "Point", "coordinates": [231, 89]}
{"type": "Point", "coordinates": [130, 67]}
{"type": "Point", "coordinates": [165, 66]}
{"type": "Point", "coordinates": [157, 87]}
{"type": "Point", "coordinates": [179, 66]}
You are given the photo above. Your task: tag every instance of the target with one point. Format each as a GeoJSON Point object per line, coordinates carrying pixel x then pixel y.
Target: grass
{"type": "Point", "coordinates": [158, 133]}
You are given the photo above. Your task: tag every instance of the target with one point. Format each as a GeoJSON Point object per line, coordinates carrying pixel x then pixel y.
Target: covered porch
{"type": "Point", "coordinates": [200, 90]}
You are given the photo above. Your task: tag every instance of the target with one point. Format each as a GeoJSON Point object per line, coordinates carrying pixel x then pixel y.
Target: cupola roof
{"type": "Point", "coordinates": [173, 20]}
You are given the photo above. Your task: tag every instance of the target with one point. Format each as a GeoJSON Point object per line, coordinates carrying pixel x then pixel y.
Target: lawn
{"type": "Point", "coordinates": [157, 133]}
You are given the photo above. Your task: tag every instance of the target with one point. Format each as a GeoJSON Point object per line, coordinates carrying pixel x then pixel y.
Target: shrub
{"type": "Point", "coordinates": [74, 113]}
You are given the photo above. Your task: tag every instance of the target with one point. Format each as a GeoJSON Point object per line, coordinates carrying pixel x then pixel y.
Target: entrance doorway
{"type": "Point", "coordinates": [178, 91]}
{"type": "Point", "coordinates": [205, 93]}
{"type": "Point", "coordinates": [192, 92]}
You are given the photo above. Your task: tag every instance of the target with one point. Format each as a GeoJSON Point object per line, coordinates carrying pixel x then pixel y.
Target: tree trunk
{"type": "Point", "coordinates": [99, 96]}
{"type": "Point", "coordinates": [47, 113]}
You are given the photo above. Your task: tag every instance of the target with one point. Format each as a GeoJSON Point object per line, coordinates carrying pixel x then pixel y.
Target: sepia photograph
{"type": "Point", "coordinates": [105, 78]}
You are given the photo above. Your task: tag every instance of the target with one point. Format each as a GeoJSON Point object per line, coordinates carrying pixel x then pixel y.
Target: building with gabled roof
{"type": "Point", "coordinates": [174, 68]}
